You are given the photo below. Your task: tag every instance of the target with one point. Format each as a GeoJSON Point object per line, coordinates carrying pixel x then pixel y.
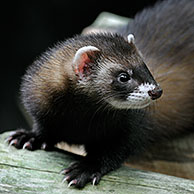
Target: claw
{"type": "Point", "coordinates": [26, 145]}
{"type": "Point", "coordinates": [13, 142]}
{"type": "Point", "coordinates": [94, 181]}
{"type": "Point", "coordinates": [7, 140]}
{"type": "Point", "coordinates": [44, 146]}
{"type": "Point", "coordinates": [65, 179]}
{"type": "Point", "coordinates": [12, 133]}
{"type": "Point", "coordinates": [65, 171]}
{"type": "Point", "coordinates": [73, 182]}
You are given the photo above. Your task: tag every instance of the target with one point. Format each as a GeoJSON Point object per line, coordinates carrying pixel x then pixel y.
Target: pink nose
{"type": "Point", "coordinates": [155, 93]}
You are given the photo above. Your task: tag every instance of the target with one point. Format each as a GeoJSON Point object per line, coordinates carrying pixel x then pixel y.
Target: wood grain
{"type": "Point", "coordinates": [22, 171]}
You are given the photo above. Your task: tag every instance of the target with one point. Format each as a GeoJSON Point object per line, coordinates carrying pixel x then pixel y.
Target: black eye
{"type": "Point", "coordinates": [123, 77]}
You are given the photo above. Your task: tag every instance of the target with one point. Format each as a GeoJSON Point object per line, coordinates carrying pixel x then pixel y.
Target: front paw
{"type": "Point", "coordinates": [26, 140]}
{"type": "Point", "coordinates": [80, 173]}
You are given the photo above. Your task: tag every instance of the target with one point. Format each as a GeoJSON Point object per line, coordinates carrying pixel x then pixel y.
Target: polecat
{"type": "Point", "coordinates": [94, 90]}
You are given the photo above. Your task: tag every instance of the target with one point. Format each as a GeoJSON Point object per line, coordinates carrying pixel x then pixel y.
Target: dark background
{"type": "Point", "coordinates": [30, 27]}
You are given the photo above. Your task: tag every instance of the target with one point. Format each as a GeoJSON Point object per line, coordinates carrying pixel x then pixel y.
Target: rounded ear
{"type": "Point", "coordinates": [131, 38]}
{"type": "Point", "coordinates": [83, 57]}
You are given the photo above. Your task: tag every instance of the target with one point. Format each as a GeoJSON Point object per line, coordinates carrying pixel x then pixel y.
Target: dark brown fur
{"type": "Point", "coordinates": [77, 109]}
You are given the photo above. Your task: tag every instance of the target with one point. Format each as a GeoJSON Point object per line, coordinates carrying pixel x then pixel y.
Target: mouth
{"type": "Point", "coordinates": [141, 97]}
{"type": "Point", "coordinates": [138, 100]}
{"type": "Point", "coordinates": [132, 102]}
{"type": "Point", "coordinates": [144, 94]}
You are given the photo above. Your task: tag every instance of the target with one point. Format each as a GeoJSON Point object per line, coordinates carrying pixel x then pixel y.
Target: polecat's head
{"type": "Point", "coordinates": [112, 69]}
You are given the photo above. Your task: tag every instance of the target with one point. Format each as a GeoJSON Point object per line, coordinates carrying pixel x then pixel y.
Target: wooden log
{"type": "Point", "coordinates": [23, 171]}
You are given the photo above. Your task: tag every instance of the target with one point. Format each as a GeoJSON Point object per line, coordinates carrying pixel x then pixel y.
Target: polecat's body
{"type": "Point", "coordinates": [93, 90]}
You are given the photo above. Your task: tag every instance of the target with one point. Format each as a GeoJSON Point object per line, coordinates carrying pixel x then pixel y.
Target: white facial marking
{"type": "Point", "coordinates": [131, 38]}
{"type": "Point", "coordinates": [146, 87]}
{"type": "Point", "coordinates": [138, 99]}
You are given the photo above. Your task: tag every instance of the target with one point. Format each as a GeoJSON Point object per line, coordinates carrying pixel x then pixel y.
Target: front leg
{"type": "Point", "coordinates": [80, 173]}
{"type": "Point", "coordinates": [37, 138]}
{"type": "Point", "coordinates": [29, 140]}
{"type": "Point", "coordinates": [99, 161]}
